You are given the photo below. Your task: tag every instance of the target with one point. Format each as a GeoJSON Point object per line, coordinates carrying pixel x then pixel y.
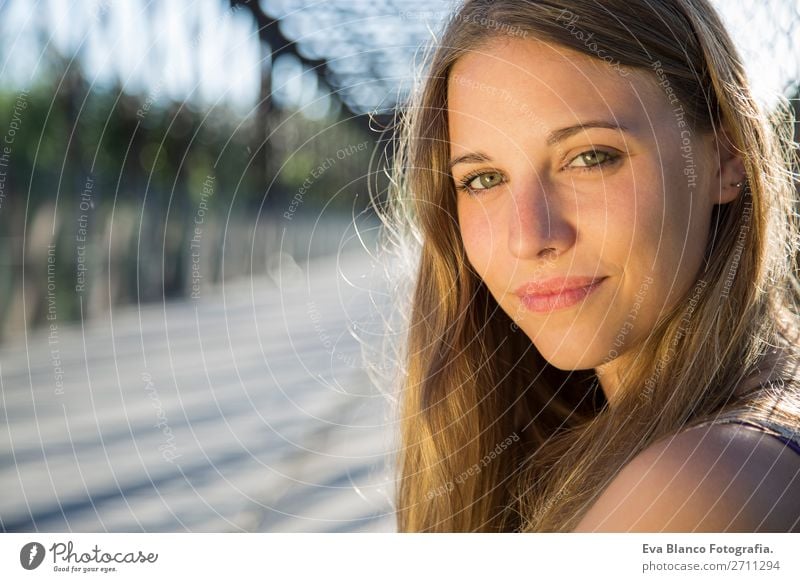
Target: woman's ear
{"type": "Point", "coordinates": [730, 172]}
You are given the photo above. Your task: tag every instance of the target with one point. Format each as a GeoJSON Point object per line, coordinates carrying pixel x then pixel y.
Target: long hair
{"type": "Point", "coordinates": [493, 438]}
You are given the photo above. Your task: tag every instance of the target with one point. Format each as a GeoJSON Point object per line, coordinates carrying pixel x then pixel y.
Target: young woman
{"type": "Point", "coordinates": [603, 326]}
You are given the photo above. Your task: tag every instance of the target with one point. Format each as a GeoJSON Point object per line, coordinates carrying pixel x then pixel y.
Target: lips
{"type": "Point", "coordinates": [557, 293]}
{"type": "Point", "coordinates": [555, 285]}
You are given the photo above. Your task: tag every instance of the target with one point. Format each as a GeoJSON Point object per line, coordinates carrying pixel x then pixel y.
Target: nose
{"type": "Point", "coordinates": [538, 226]}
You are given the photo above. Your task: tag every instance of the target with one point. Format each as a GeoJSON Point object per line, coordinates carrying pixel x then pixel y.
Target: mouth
{"type": "Point", "coordinates": [558, 296]}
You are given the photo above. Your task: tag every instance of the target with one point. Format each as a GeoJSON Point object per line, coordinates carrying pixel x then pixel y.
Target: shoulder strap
{"type": "Point", "coordinates": [790, 436]}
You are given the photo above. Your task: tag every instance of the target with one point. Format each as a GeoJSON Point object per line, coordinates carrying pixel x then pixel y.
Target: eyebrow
{"type": "Point", "coordinates": [553, 138]}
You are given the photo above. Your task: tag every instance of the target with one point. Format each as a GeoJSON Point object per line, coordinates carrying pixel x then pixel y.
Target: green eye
{"type": "Point", "coordinates": [593, 158]}
{"type": "Point", "coordinates": [489, 179]}
{"type": "Point", "coordinates": [481, 181]}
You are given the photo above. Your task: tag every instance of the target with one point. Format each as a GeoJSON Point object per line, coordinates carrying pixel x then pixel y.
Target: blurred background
{"type": "Point", "coordinates": [189, 263]}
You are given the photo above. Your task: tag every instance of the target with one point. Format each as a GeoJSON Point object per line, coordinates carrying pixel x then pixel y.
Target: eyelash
{"type": "Point", "coordinates": [612, 159]}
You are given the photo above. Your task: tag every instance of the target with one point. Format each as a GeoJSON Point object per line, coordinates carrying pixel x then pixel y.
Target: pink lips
{"type": "Point", "coordinates": [556, 293]}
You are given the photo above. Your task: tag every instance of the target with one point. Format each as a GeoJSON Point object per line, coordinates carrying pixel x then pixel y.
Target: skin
{"type": "Point", "coordinates": [722, 478]}
{"type": "Point", "coordinates": [634, 220]}
{"type": "Point", "coordinates": [542, 210]}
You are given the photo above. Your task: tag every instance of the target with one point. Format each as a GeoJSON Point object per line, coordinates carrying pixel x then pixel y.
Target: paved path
{"type": "Point", "coordinates": [246, 410]}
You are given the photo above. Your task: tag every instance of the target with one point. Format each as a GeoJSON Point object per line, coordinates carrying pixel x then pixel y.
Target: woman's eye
{"type": "Point", "coordinates": [482, 181]}
{"type": "Point", "coordinates": [593, 158]}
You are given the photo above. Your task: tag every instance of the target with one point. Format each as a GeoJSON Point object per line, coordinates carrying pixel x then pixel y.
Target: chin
{"type": "Point", "coordinates": [569, 351]}
{"type": "Point", "coordinates": [567, 360]}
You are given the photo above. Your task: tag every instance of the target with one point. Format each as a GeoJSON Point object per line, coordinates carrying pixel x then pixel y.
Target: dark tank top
{"type": "Point", "coordinates": [789, 437]}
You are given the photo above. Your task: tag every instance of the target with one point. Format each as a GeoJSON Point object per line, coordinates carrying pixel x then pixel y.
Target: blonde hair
{"type": "Point", "coordinates": [493, 438]}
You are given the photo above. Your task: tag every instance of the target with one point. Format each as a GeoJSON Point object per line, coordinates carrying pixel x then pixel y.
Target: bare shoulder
{"type": "Point", "coordinates": [718, 478]}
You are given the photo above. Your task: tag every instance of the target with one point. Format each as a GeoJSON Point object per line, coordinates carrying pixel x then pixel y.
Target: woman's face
{"type": "Point", "coordinates": [578, 171]}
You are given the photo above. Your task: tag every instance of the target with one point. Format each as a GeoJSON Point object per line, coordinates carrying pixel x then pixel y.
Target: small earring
{"type": "Point", "coordinates": [738, 184]}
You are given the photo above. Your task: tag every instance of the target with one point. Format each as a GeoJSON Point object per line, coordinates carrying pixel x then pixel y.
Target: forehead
{"type": "Point", "coordinates": [523, 84]}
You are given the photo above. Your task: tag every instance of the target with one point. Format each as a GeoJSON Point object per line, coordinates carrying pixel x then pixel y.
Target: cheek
{"type": "Point", "coordinates": [641, 220]}
{"type": "Point", "coordinates": [667, 233]}
{"type": "Point", "coordinates": [614, 227]}
{"type": "Point", "coordinates": [479, 236]}
{"type": "Point", "coordinates": [678, 222]}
